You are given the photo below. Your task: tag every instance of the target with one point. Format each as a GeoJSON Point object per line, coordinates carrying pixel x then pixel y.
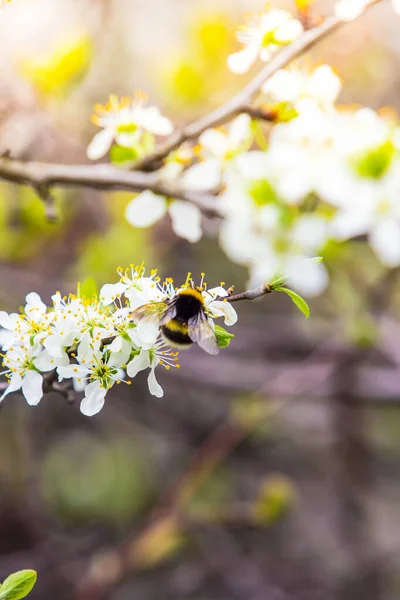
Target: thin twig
{"type": "Point", "coordinates": [251, 294]}
{"type": "Point", "coordinates": [242, 100]}
{"type": "Point", "coordinates": [42, 176]}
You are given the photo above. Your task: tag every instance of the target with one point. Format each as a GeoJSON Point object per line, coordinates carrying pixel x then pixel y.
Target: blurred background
{"type": "Point", "coordinates": [269, 473]}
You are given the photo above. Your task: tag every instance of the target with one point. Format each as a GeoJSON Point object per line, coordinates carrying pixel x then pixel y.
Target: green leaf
{"type": "Point", "coordinates": [277, 282]}
{"type": "Point", "coordinates": [374, 162]}
{"type": "Point", "coordinates": [120, 154]}
{"type": "Point", "coordinates": [18, 585]}
{"type": "Point", "coordinates": [88, 288]}
{"type": "Point", "coordinates": [263, 193]}
{"type": "Point", "coordinates": [223, 336]}
{"type": "Point", "coordinates": [296, 299]}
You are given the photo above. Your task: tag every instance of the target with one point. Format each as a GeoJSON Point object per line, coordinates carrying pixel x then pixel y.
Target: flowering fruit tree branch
{"type": "Point", "coordinates": [241, 102]}
{"type": "Point", "coordinates": [42, 176]}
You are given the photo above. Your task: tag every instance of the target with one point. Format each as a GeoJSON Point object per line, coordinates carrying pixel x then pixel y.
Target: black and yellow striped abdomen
{"type": "Point", "coordinates": [189, 302]}
{"type": "Point", "coordinates": [176, 333]}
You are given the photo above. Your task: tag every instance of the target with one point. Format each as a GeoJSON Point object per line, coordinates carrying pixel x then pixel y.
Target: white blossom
{"type": "Point", "coordinates": [218, 147]}
{"type": "Point", "coordinates": [95, 342]}
{"type": "Point", "coordinates": [261, 35]}
{"type": "Point", "coordinates": [148, 208]}
{"type": "Point", "coordinates": [374, 210]}
{"type": "Point", "coordinates": [124, 122]}
{"type": "Point", "coordinates": [269, 237]}
{"type": "Point", "coordinates": [153, 354]}
{"type": "Point", "coordinates": [321, 85]}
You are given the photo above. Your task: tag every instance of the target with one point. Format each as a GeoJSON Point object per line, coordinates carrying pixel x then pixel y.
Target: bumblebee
{"type": "Point", "coordinates": [183, 320]}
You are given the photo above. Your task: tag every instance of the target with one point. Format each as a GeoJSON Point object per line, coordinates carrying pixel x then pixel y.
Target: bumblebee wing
{"type": "Point", "coordinates": [155, 312]}
{"type": "Point", "coordinates": [201, 331]}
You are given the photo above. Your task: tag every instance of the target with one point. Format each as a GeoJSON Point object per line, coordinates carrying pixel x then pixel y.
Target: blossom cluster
{"type": "Point", "coordinates": [94, 342]}
{"type": "Point", "coordinates": [314, 173]}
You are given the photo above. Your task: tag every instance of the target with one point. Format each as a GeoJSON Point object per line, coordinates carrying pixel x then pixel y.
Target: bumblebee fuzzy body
{"type": "Point", "coordinates": [183, 320]}
{"type": "Point", "coordinates": [189, 303]}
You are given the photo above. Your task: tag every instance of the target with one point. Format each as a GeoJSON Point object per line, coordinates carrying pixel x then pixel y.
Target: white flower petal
{"type": "Point", "coordinates": [34, 306]}
{"type": "Point", "coordinates": [347, 10]}
{"type": "Point", "coordinates": [350, 223]}
{"type": "Point", "coordinates": [32, 387]}
{"type": "Point", "coordinates": [111, 291]}
{"type": "Point", "coordinates": [138, 363]}
{"type": "Point", "coordinates": [145, 334]}
{"type": "Point", "coordinates": [385, 241]}
{"type": "Point", "coordinates": [154, 387]}
{"type": "Point", "coordinates": [54, 345]}
{"type": "Point", "coordinates": [240, 62]}
{"type": "Point", "coordinates": [214, 293]}
{"type": "Point", "coordinates": [220, 308]}
{"type": "Point", "coordinates": [79, 384]}
{"type": "Point", "coordinates": [152, 120]}
{"type": "Point", "coordinates": [283, 85]}
{"type": "Point", "coordinates": [45, 362]}
{"type": "Point", "coordinates": [13, 386]}
{"type": "Point", "coordinates": [94, 398]}
{"type": "Point", "coordinates": [289, 31]}
{"type": "Point", "coordinates": [186, 220]}
{"type": "Point", "coordinates": [7, 339]}
{"type": "Point", "coordinates": [263, 272]}
{"type": "Point", "coordinates": [325, 85]}
{"type": "Point", "coordinates": [239, 130]}
{"type": "Point", "coordinates": [100, 144]}
{"type": "Point", "coordinates": [116, 345]}
{"type": "Point", "coordinates": [310, 232]}
{"type": "Point", "coordinates": [306, 275]}
{"type": "Point", "coordinates": [76, 371]}
{"type": "Point", "coordinates": [128, 140]}
{"type": "Point", "coordinates": [205, 175]}
{"type": "Point", "coordinates": [8, 321]}
{"type": "Point", "coordinates": [215, 142]}
{"type": "Point", "coordinates": [146, 209]}
{"type": "Point", "coordinates": [121, 357]}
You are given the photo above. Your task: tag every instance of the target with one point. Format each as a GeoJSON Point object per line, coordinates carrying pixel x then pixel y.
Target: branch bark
{"type": "Point", "coordinates": [251, 294]}
{"type": "Point", "coordinates": [42, 176]}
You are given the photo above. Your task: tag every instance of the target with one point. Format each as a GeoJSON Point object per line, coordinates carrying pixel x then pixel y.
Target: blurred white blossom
{"type": "Point", "coordinates": [321, 85]}
{"type": "Point", "coordinates": [269, 237]}
{"type": "Point", "coordinates": [217, 148]}
{"type": "Point", "coordinates": [261, 35]}
{"type": "Point", "coordinates": [124, 121]}
{"type": "Point", "coordinates": [374, 209]}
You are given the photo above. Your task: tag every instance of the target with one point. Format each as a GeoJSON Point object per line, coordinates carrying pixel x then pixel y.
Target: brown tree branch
{"type": "Point", "coordinates": [42, 176]}
{"type": "Point", "coordinates": [251, 294]}
{"type": "Point", "coordinates": [241, 101]}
